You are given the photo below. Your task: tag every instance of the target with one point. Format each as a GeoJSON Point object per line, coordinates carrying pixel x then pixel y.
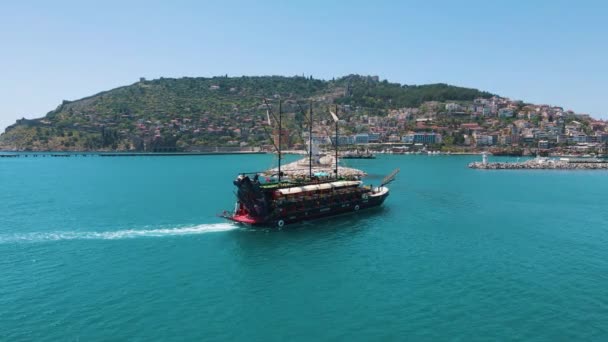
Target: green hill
{"type": "Point", "coordinates": [185, 112]}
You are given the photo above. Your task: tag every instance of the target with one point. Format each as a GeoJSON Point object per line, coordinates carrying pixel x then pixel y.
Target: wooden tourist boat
{"type": "Point", "coordinates": [280, 200]}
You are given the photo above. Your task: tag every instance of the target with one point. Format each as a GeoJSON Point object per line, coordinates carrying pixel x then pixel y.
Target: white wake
{"type": "Point", "coordinates": [115, 235]}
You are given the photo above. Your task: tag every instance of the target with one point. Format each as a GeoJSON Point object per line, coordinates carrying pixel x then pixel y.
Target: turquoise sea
{"type": "Point", "coordinates": [130, 249]}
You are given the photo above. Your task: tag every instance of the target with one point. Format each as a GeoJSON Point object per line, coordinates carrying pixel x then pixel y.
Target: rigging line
{"type": "Point", "coordinates": [269, 136]}
{"type": "Point", "coordinates": [269, 110]}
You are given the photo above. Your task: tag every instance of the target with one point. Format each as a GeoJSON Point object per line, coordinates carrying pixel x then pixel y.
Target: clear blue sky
{"type": "Point", "coordinates": [552, 51]}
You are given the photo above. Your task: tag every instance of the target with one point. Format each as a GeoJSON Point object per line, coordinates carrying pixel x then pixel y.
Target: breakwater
{"type": "Point", "coordinates": [543, 164]}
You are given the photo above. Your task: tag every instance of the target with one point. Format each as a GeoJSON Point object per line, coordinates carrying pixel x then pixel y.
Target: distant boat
{"type": "Point", "coordinates": [281, 200]}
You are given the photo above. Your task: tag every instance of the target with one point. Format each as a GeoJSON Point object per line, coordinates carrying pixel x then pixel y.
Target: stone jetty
{"type": "Point", "coordinates": [544, 164]}
{"type": "Point", "coordinates": [321, 165]}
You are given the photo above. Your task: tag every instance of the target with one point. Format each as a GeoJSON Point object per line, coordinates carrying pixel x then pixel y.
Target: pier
{"type": "Point", "coordinates": [543, 164]}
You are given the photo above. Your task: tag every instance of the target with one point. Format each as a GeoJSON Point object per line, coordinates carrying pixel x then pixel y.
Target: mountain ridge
{"type": "Point", "coordinates": [204, 111]}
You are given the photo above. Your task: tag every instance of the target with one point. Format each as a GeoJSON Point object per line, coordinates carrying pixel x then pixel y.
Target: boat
{"type": "Point", "coordinates": [358, 155]}
{"type": "Point", "coordinates": [277, 199]}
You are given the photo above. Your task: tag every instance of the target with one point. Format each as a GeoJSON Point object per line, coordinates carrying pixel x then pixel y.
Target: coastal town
{"type": "Point", "coordinates": [497, 125]}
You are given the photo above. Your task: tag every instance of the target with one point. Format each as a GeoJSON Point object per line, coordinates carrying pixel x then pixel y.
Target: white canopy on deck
{"type": "Point", "coordinates": [315, 187]}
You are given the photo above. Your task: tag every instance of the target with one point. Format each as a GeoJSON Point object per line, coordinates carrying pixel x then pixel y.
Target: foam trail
{"type": "Point", "coordinates": [115, 235]}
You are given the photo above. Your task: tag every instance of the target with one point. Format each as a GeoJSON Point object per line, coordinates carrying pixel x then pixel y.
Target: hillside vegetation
{"type": "Point", "coordinates": [182, 113]}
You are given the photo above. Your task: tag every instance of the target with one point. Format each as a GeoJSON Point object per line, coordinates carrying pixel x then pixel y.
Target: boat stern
{"type": "Point", "coordinates": [242, 218]}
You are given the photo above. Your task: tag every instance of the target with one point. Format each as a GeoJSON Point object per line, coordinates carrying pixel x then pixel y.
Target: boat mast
{"type": "Point", "coordinates": [336, 144]}
{"type": "Point", "coordinates": [310, 142]}
{"type": "Point", "coordinates": [280, 136]}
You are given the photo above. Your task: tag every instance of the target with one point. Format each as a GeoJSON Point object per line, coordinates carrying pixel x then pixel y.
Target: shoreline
{"type": "Point", "coordinates": [26, 154]}
{"type": "Point", "coordinates": [11, 154]}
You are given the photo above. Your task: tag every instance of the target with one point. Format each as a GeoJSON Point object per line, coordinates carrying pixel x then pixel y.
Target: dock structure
{"type": "Point", "coordinates": [544, 164]}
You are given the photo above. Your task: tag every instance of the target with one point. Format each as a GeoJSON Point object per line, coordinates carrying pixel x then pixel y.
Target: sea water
{"type": "Point", "coordinates": [131, 248]}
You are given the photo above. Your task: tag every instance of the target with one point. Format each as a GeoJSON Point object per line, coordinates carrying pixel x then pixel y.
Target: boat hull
{"type": "Point", "coordinates": [313, 213]}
